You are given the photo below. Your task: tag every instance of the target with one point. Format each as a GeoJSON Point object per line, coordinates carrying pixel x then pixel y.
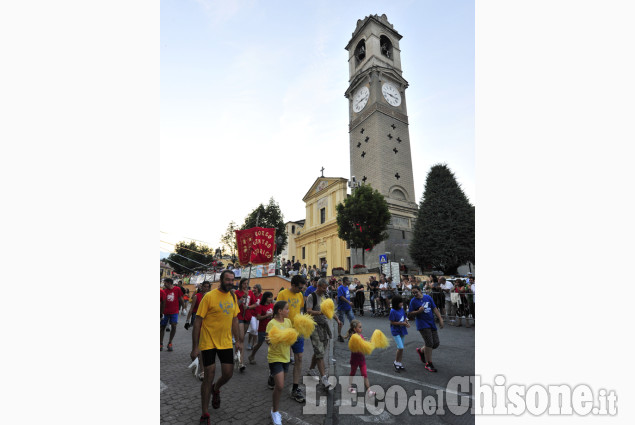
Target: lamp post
{"type": "Point", "coordinates": [278, 242]}
{"type": "Point", "coordinates": [354, 184]}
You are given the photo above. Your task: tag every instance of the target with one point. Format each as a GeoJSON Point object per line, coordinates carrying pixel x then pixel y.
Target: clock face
{"type": "Point", "coordinates": [391, 94]}
{"type": "Point", "coordinates": [360, 99]}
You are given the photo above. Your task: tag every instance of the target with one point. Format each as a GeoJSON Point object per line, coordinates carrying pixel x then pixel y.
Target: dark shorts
{"type": "Point", "coordinates": [277, 367]}
{"type": "Point", "coordinates": [243, 321]}
{"type": "Point", "coordinates": [172, 318]}
{"type": "Point", "coordinates": [298, 347]}
{"type": "Point", "coordinates": [430, 337]}
{"type": "Point", "coordinates": [225, 356]}
{"type": "Point", "coordinates": [261, 337]}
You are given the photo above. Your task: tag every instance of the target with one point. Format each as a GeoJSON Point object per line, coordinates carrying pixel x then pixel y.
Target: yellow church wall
{"type": "Point", "coordinates": [320, 240]}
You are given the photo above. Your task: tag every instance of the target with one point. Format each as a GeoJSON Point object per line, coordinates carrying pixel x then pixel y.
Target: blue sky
{"type": "Point", "coordinates": [252, 102]}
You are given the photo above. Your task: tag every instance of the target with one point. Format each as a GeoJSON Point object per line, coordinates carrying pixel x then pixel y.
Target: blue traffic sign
{"type": "Point", "coordinates": [383, 259]}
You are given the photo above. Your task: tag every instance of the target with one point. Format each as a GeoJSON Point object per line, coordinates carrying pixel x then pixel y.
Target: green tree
{"type": "Point", "coordinates": [269, 216]}
{"type": "Point", "coordinates": [363, 218]}
{"type": "Point", "coordinates": [190, 256]}
{"type": "Point", "coordinates": [444, 231]}
{"type": "Point", "coordinates": [228, 240]}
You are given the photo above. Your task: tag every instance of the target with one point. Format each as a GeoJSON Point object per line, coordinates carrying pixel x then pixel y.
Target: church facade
{"type": "Point", "coordinates": [318, 239]}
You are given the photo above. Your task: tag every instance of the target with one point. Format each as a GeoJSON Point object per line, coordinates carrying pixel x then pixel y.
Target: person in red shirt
{"type": "Point", "coordinates": [251, 317]}
{"type": "Point", "coordinates": [196, 301]}
{"type": "Point", "coordinates": [163, 296]}
{"type": "Point", "coordinates": [173, 301]}
{"type": "Point", "coordinates": [245, 298]}
{"type": "Point", "coordinates": [264, 313]}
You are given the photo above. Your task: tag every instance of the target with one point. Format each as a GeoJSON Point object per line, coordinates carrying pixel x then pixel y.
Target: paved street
{"type": "Point", "coordinates": [247, 400]}
{"type": "Point", "coordinates": [454, 357]}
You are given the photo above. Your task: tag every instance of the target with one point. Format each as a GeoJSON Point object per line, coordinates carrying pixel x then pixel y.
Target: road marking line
{"type": "Point", "coordinates": [292, 419]}
{"type": "Point", "coordinates": [435, 387]}
{"type": "Point", "coordinates": [383, 417]}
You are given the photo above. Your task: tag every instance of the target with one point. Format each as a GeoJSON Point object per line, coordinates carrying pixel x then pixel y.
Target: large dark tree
{"type": "Point", "coordinates": [444, 231]}
{"type": "Point", "coordinates": [269, 216]}
{"type": "Point", "coordinates": [188, 257]}
{"type": "Point", "coordinates": [363, 218]}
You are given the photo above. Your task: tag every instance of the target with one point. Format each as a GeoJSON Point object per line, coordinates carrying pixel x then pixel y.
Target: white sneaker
{"type": "Point", "coordinates": [276, 418]}
{"type": "Point", "coordinates": [314, 374]}
{"type": "Point", "coordinates": [326, 383]}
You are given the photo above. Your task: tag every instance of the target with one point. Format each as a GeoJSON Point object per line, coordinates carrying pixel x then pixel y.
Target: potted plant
{"type": "Point", "coordinates": [359, 268]}
{"type": "Point", "coordinates": [338, 271]}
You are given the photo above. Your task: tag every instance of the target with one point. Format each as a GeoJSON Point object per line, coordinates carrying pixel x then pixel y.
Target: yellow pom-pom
{"type": "Point", "coordinates": [358, 345]}
{"type": "Point", "coordinates": [304, 324]}
{"type": "Point", "coordinates": [328, 308]}
{"type": "Point", "coordinates": [287, 336]}
{"type": "Point", "coordinates": [379, 340]}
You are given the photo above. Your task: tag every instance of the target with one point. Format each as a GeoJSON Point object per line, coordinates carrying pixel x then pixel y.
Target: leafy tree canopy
{"type": "Point", "coordinates": [189, 256]}
{"type": "Point", "coordinates": [268, 216]}
{"type": "Point", "coordinates": [363, 218]}
{"type": "Point", "coordinates": [444, 233]}
{"type": "Point", "coordinates": [228, 240]}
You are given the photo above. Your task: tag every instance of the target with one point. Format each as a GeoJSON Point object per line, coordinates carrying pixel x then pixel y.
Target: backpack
{"type": "Point", "coordinates": [314, 298]}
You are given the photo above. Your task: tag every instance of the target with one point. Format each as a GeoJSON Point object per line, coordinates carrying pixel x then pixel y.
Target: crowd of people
{"type": "Point", "coordinates": [224, 318]}
{"type": "Point", "coordinates": [289, 269]}
{"type": "Point", "coordinates": [380, 292]}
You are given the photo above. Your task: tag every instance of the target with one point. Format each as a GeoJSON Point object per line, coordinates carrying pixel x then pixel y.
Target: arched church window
{"type": "Point", "coordinates": [385, 46]}
{"type": "Point", "coordinates": [398, 195]}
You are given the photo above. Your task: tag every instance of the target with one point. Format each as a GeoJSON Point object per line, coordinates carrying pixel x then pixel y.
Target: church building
{"type": "Point", "coordinates": [318, 239]}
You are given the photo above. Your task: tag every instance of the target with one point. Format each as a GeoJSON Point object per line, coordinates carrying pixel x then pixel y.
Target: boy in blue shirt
{"type": "Point", "coordinates": [344, 306]}
{"type": "Point", "coordinates": [423, 310]}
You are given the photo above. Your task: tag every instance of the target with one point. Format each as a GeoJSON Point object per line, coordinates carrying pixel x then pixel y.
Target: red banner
{"type": "Point", "coordinates": [256, 245]}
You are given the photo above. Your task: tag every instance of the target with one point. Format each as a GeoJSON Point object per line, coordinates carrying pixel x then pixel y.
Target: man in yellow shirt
{"type": "Point", "coordinates": [216, 320]}
{"type": "Point", "coordinates": [295, 297]}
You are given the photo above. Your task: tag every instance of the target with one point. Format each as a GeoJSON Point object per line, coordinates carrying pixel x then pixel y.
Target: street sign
{"type": "Point", "coordinates": [394, 271]}
{"type": "Point", "coordinates": [391, 269]}
{"type": "Point", "coordinates": [383, 259]}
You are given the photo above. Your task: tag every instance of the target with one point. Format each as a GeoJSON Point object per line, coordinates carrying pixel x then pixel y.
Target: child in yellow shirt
{"type": "Point", "coordinates": [278, 356]}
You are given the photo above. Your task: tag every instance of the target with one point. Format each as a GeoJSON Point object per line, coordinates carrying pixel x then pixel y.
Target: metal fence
{"type": "Point", "coordinates": [380, 305]}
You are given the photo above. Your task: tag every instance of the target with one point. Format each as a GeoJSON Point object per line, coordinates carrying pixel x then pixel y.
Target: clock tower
{"type": "Point", "coordinates": [378, 131]}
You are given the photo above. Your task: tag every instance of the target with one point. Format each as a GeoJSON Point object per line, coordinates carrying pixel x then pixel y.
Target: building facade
{"type": "Point", "coordinates": [166, 270]}
{"type": "Point", "coordinates": [378, 131]}
{"type": "Point", "coordinates": [318, 239]}
{"type": "Point", "coordinates": [292, 228]}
